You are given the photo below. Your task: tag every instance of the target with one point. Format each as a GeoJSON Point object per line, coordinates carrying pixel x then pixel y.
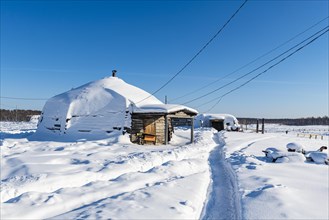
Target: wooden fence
{"type": "Point", "coordinates": [310, 136]}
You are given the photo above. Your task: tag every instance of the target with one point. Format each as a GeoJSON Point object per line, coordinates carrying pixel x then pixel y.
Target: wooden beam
{"type": "Point", "coordinates": [192, 130]}
{"type": "Point", "coordinates": [257, 126]}
{"type": "Point", "coordinates": [166, 130]}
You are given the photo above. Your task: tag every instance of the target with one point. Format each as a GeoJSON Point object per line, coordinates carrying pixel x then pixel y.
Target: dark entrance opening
{"type": "Point", "coordinates": [217, 124]}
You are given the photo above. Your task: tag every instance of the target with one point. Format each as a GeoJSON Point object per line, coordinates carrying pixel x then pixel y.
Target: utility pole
{"type": "Point", "coordinates": [166, 102]}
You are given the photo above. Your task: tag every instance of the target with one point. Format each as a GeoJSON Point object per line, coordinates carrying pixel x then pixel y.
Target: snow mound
{"type": "Point", "coordinates": [318, 157]}
{"type": "Point", "coordinates": [278, 156]}
{"type": "Point", "coordinates": [295, 147]}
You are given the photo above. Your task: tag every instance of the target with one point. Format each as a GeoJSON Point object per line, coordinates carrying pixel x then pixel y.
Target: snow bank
{"type": "Point", "coordinates": [17, 129]}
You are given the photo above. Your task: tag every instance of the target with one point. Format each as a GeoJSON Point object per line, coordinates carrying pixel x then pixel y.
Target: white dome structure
{"type": "Point", "coordinates": [218, 121]}
{"type": "Point", "coordinates": [96, 108]}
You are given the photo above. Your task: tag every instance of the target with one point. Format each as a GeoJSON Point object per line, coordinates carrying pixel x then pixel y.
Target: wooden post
{"type": "Point", "coordinates": [257, 126]}
{"type": "Point", "coordinates": [263, 122]}
{"type": "Point", "coordinates": [166, 129]}
{"type": "Point", "coordinates": [192, 130]}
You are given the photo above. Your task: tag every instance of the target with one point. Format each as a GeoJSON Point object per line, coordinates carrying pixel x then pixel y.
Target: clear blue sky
{"type": "Point", "coordinates": [49, 47]}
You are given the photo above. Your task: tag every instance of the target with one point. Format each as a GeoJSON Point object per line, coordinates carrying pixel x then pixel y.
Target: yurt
{"type": "Point", "coordinates": [96, 109]}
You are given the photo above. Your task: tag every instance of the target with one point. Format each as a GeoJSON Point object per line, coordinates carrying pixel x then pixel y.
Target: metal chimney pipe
{"type": "Point", "coordinates": [114, 73]}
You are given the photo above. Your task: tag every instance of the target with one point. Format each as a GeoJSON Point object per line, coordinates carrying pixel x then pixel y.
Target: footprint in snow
{"type": "Point", "coordinates": [259, 191]}
{"type": "Point", "coordinates": [187, 204]}
{"type": "Point", "coordinates": [59, 149]}
{"type": "Point", "coordinates": [77, 161]}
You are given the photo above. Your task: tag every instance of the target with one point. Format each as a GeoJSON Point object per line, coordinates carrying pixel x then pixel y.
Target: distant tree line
{"type": "Point", "coordinates": [25, 115]}
{"type": "Point", "coordinates": [297, 121]}
{"type": "Point", "coordinates": [17, 115]}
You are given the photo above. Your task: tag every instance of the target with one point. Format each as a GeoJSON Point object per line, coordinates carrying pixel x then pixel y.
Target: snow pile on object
{"type": "Point", "coordinates": [94, 109]}
{"type": "Point", "coordinates": [318, 157]}
{"type": "Point", "coordinates": [278, 156]}
{"type": "Point", "coordinates": [230, 121]}
{"type": "Point", "coordinates": [295, 147]}
{"type": "Point", "coordinates": [162, 108]}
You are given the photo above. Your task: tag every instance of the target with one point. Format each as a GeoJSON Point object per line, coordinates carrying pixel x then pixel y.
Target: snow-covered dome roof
{"type": "Point", "coordinates": [206, 119]}
{"type": "Point", "coordinates": [109, 92]}
{"type": "Point", "coordinates": [98, 105]}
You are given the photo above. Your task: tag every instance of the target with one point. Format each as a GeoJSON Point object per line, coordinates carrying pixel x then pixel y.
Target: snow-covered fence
{"type": "Point", "coordinates": [310, 136]}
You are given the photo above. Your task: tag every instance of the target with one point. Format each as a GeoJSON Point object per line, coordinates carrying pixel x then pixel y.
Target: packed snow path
{"type": "Point", "coordinates": [223, 199]}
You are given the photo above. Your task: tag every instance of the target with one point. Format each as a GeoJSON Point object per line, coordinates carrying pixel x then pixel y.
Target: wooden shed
{"type": "Point", "coordinates": [154, 123]}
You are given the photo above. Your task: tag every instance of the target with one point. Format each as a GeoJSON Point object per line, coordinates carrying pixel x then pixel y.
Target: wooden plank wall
{"type": "Point", "coordinates": [138, 121]}
{"type": "Point", "coordinates": [137, 125]}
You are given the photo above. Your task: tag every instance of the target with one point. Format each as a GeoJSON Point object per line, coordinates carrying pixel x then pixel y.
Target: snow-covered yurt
{"type": "Point", "coordinates": [96, 109]}
{"type": "Point", "coordinates": [218, 121]}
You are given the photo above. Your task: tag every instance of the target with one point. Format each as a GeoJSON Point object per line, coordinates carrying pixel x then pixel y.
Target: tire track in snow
{"type": "Point", "coordinates": [223, 197]}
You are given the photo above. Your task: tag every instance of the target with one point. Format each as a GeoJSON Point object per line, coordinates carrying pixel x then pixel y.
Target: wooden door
{"type": "Point", "coordinates": [149, 126]}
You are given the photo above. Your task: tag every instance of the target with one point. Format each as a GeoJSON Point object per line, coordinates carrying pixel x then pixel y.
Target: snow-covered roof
{"type": "Point", "coordinates": [218, 116]}
{"type": "Point", "coordinates": [163, 108]}
{"type": "Point", "coordinates": [110, 93]}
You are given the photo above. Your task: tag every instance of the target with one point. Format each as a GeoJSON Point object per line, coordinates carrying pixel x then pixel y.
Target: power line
{"type": "Point", "coordinates": [227, 84]}
{"type": "Point", "coordinates": [20, 98]}
{"type": "Point", "coordinates": [253, 61]}
{"type": "Point", "coordinates": [197, 54]}
{"type": "Point", "coordinates": [259, 74]}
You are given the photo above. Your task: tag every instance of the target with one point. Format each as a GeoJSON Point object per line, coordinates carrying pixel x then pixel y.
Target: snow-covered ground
{"type": "Point", "coordinates": [278, 128]}
{"type": "Point", "coordinates": [292, 189]}
{"type": "Point", "coordinates": [221, 176]}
